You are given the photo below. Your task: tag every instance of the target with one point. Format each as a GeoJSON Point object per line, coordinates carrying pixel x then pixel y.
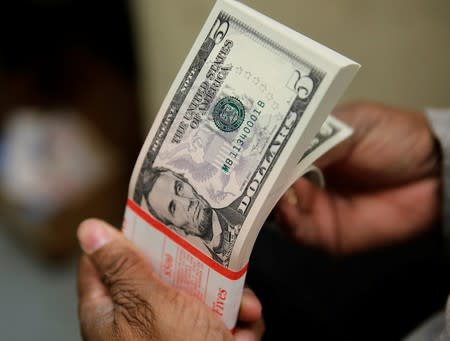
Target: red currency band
{"type": "Point", "coordinates": [230, 274]}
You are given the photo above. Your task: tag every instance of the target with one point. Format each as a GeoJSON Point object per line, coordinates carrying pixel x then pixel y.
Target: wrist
{"type": "Point", "coordinates": [439, 122]}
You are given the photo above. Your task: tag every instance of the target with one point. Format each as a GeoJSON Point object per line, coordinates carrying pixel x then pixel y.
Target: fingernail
{"type": "Point", "coordinates": [244, 335]}
{"type": "Point", "coordinates": [291, 197]}
{"type": "Point", "coordinates": [249, 301]}
{"type": "Point", "coordinates": [93, 234]}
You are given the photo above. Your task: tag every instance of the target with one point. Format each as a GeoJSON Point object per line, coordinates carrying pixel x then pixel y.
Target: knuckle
{"type": "Point", "coordinates": [118, 266]}
{"type": "Point", "coordinates": [134, 313]}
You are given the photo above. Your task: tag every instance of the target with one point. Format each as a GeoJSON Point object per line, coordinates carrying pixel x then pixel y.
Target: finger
{"type": "Point", "coordinates": [310, 218]}
{"type": "Point", "coordinates": [297, 224]}
{"type": "Point", "coordinates": [143, 304]}
{"type": "Point", "coordinates": [300, 195]}
{"type": "Point", "coordinates": [107, 248]}
{"type": "Point", "coordinates": [295, 206]}
{"type": "Point", "coordinates": [349, 114]}
{"type": "Point", "coordinates": [337, 153]}
{"type": "Point", "coordinates": [90, 286]}
{"type": "Point", "coordinates": [305, 191]}
{"type": "Point", "coordinates": [363, 118]}
{"type": "Point", "coordinates": [94, 302]}
{"type": "Point", "coordinates": [401, 216]}
{"type": "Point", "coordinates": [132, 286]}
{"type": "Point", "coordinates": [116, 260]}
{"type": "Point", "coordinates": [250, 331]}
{"type": "Point", "coordinates": [287, 211]}
{"type": "Point", "coordinates": [388, 147]}
{"type": "Point", "coordinates": [250, 309]}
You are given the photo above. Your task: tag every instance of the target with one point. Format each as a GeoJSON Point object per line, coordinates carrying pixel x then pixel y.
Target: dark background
{"type": "Point", "coordinates": [378, 295]}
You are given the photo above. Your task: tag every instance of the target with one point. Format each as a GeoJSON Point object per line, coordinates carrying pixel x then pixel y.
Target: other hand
{"type": "Point", "coordinates": [383, 183]}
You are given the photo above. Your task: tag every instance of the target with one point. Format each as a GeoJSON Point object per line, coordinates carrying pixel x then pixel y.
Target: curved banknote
{"type": "Point", "coordinates": [243, 109]}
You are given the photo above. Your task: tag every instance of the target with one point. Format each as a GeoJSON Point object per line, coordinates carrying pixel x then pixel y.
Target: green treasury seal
{"type": "Point", "coordinates": [228, 114]}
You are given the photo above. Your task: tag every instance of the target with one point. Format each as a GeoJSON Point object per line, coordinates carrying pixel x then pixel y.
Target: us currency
{"type": "Point", "coordinates": [250, 96]}
{"type": "Point", "coordinates": [332, 132]}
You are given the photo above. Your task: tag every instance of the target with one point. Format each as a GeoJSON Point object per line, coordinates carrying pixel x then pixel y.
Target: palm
{"type": "Point", "coordinates": [382, 184]}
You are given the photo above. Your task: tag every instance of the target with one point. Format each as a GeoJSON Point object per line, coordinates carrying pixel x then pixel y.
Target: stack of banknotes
{"type": "Point", "coordinates": [246, 116]}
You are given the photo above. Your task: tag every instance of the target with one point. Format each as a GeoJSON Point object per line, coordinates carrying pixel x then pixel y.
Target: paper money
{"type": "Point", "coordinates": [330, 134]}
{"type": "Point", "coordinates": [243, 109]}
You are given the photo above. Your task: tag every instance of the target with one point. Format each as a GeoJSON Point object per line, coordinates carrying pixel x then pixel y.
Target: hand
{"type": "Point", "coordinates": [383, 184]}
{"type": "Point", "coordinates": [121, 298]}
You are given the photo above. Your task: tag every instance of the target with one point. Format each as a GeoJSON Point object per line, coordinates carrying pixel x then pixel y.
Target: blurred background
{"type": "Point", "coordinates": [80, 83]}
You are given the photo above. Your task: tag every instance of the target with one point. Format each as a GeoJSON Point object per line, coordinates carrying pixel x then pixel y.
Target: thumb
{"type": "Point", "coordinates": [125, 273]}
{"type": "Point", "coordinates": [111, 253]}
{"type": "Point", "coordinates": [123, 270]}
{"type": "Point", "coordinates": [118, 273]}
{"type": "Point", "coordinates": [141, 303]}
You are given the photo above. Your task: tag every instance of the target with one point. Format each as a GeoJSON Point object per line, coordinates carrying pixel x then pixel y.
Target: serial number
{"type": "Point", "coordinates": [239, 142]}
